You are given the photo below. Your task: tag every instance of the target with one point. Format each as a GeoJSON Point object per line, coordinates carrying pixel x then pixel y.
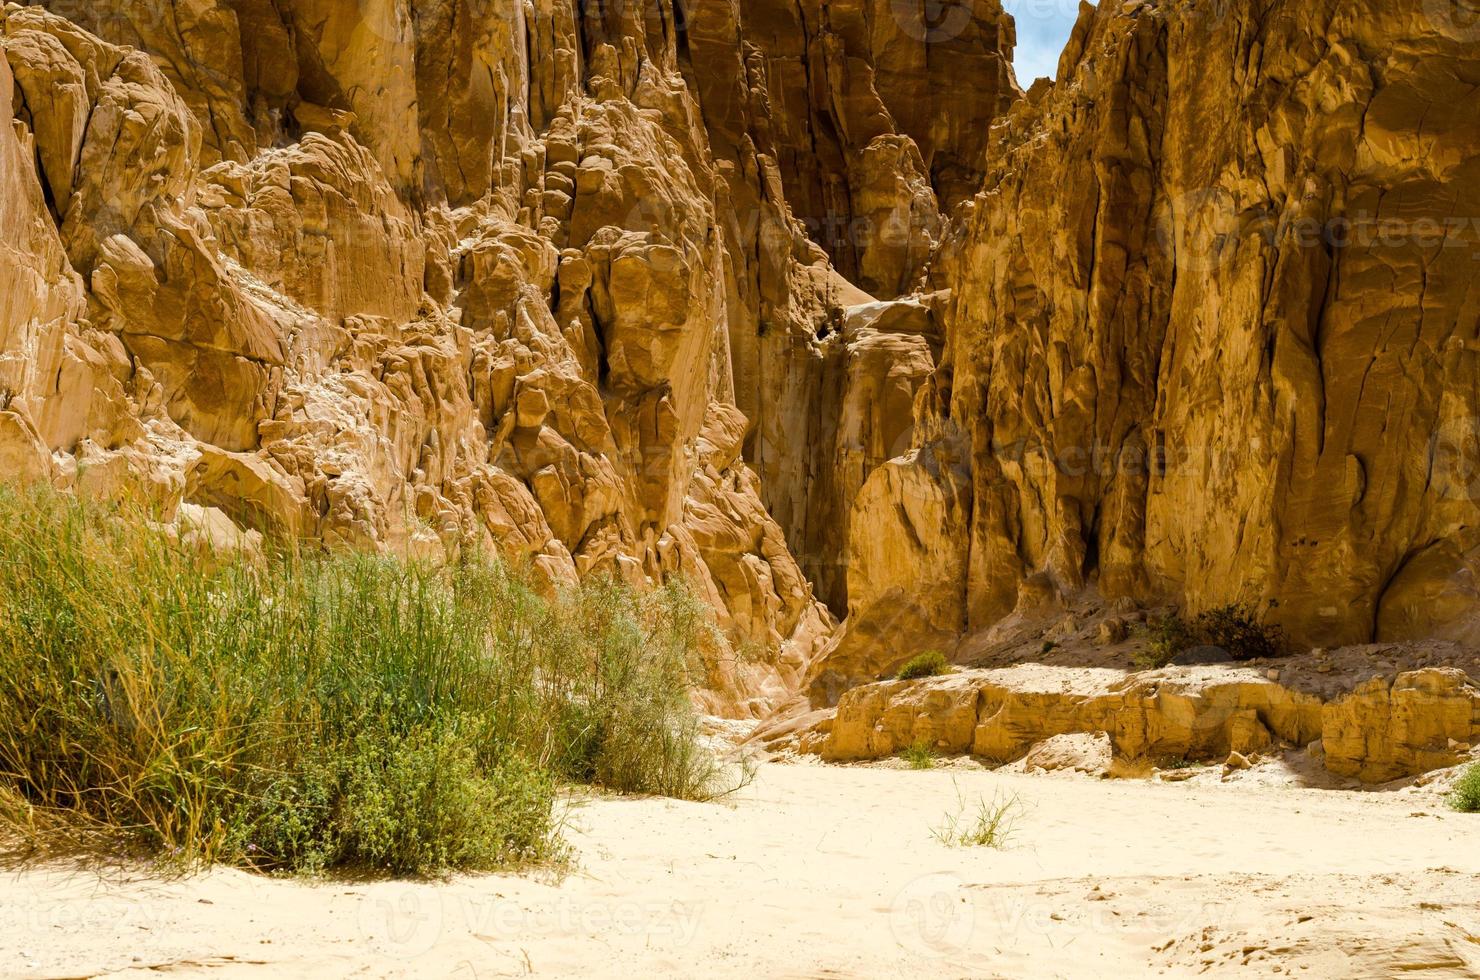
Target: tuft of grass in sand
{"type": "Point", "coordinates": [920, 756]}
{"type": "Point", "coordinates": [302, 713]}
{"type": "Point", "coordinates": [1465, 797]}
{"type": "Point", "coordinates": [983, 823]}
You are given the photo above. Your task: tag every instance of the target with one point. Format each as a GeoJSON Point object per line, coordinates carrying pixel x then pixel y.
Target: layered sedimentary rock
{"type": "Point", "coordinates": [841, 130]}
{"type": "Point", "coordinates": [1212, 335]}
{"type": "Point", "coordinates": [876, 111]}
{"type": "Point", "coordinates": [1375, 731]}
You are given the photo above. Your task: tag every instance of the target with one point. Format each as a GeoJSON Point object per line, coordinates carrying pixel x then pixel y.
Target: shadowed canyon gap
{"type": "Point", "coordinates": [807, 302]}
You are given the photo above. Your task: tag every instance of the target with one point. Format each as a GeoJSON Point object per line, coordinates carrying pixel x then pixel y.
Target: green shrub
{"type": "Point", "coordinates": [920, 756]}
{"type": "Point", "coordinates": [1235, 628]}
{"type": "Point", "coordinates": [1174, 763]}
{"type": "Point", "coordinates": [1465, 797]}
{"type": "Point", "coordinates": [930, 664]}
{"type": "Point", "coordinates": [1166, 637]}
{"type": "Point", "coordinates": [623, 719]}
{"type": "Point", "coordinates": [303, 713]}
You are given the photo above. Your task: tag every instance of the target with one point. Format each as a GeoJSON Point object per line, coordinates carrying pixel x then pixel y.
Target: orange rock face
{"type": "Point", "coordinates": [553, 278]}
{"type": "Point", "coordinates": [1211, 333]}
{"type": "Point", "coordinates": [807, 302]}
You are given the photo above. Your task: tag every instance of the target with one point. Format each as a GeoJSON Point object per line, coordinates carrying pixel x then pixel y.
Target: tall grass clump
{"type": "Point", "coordinates": [920, 756]}
{"type": "Point", "coordinates": [986, 823]}
{"type": "Point", "coordinates": [304, 713]}
{"type": "Point", "coordinates": [932, 663]}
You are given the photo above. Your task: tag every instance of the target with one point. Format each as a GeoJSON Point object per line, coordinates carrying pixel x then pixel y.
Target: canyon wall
{"type": "Point", "coordinates": [424, 275]}
{"type": "Point", "coordinates": [806, 302]}
{"type": "Point", "coordinates": [1213, 337]}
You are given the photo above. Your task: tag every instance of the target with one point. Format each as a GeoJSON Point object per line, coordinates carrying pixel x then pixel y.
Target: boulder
{"type": "Point", "coordinates": [1084, 752]}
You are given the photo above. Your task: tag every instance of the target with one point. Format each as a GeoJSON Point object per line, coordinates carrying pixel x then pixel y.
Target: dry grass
{"type": "Point", "coordinates": [984, 823]}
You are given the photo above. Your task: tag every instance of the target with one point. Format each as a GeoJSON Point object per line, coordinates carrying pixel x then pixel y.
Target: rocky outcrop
{"type": "Point", "coordinates": [841, 131]}
{"type": "Point", "coordinates": [875, 113]}
{"type": "Point", "coordinates": [1000, 715]}
{"type": "Point", "coordinates": [1379, 730]}
{"type": "Point", "coordinates": [1211, 334]}
{"type": "Point", "coordinates": [1082, 752]}
{"type": "Point", "coordinates": [806, 302]}
{"type": "Point", "coordinates": [555, 279]}
{"type": "Point", "coordinates": [1391, 727]}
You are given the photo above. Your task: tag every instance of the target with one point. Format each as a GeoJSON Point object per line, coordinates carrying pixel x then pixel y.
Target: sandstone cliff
{"type": "Point", "coordinates": [807, 302]}
{"type": "Point", "coordinates": [1212, 337]}
{"type": "Point", "coordinates": [420, 274]}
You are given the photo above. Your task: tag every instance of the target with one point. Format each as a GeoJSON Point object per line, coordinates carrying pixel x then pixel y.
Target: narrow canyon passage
{"type": "Point", "coordinates": [1041, 435]}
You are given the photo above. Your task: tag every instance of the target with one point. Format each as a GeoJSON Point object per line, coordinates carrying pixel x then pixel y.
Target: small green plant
{"type": "Point", "coordinates": [1465, 797]}
{"type": "Point", "coordinates": [920, 755]}
{"type": "Point", "coordinates": [929, 664]}
{"type": "Point", "coordinates": [987, 823]}
{"type": "Point", "coordinates": [1235, 628]}
{"type": "Point", "coordinates": [1049, 646]}
{"type": "Point", "coordinates": [1166, 636]}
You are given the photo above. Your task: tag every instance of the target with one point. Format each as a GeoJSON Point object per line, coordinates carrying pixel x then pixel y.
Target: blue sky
{"type": "Point", "coordinates": [1043, 27]}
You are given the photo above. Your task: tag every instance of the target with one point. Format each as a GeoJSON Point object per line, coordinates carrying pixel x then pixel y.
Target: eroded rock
{"type": "Point", "coordinates": [1377, 731]}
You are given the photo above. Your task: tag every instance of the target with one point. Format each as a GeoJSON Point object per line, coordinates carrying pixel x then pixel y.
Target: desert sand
{"type": "Point", "coordinates": [819, 871]}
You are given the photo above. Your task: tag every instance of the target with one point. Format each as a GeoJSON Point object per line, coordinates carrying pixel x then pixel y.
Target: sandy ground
{"type": "Point", "coordinates": [832, 872]}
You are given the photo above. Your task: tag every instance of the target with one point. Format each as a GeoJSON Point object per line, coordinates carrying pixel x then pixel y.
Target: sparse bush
{"type": "Point", "coordinates": [1465, 797]}
{"type": "Point", "coordinates": [1237, 629]}
{"type": "Point", "coordinates": [930, 664]}
{"type": "Point", "coordinates": [984, 824]}
{"type": "Point", "coordinates": [1174, 763]}
{"type": "Point", "coordinates": [1234, 628]}
{"type": "Point", "coordinates": [920, 756]}
{"type": "Point", "coordinates": [1166, 636]}
{"type": "Point", "coordinates": [298, 714]}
